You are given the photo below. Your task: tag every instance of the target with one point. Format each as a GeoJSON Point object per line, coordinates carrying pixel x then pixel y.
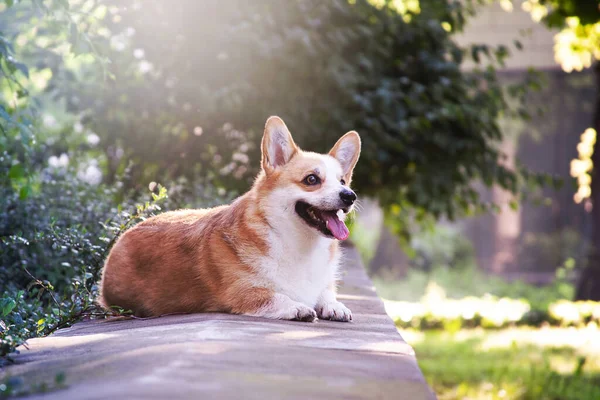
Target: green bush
{"type": "Point", "coordinates": [54, 242]}
{"type": "Point", "coordinates": [52, 246]}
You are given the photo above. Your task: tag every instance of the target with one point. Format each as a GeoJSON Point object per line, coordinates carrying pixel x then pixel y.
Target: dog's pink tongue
{"type": "Point", "coordinates": [337, 227]}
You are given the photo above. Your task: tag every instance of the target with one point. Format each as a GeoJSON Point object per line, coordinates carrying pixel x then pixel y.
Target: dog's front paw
{"type": "Point", "coordinates": [302, 313]}
{"type": "Point", "coordinates": [296, 312]}
{"type": "Point", "coordinates": [282, 307]}
{"type": "Point", "coordinates": [334, 311]}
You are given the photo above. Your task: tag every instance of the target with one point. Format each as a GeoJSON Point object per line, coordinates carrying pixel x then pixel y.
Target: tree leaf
{"type": "Point", "coordinates": [9, 305]}
{"type": "Point", "coordinates": [518, 44]}
{"type": "Point", "coordinates": [16, 172]}
{"type": "Point", "coordinates": [24, 192]}
{"type": "Point", "coordinates": [4, 114]}
{"type": "Point", "coordinates": [21, 67]}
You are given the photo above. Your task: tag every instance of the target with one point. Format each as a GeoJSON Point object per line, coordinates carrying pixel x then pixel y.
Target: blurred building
{"type": "Point", "coordinates": [494, 26]}
{"type": "Point", "coordinates": [531, 242]}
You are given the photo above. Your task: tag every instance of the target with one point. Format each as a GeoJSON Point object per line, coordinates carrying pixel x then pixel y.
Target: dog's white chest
{"type": "Point", "coordinates": [302, 273]}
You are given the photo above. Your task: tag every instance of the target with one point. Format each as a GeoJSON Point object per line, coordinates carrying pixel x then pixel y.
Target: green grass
{"type": "Point", "coordinates": [517, 363]}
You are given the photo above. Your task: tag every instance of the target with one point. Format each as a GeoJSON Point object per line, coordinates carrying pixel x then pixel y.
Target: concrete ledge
{"type": "Point", "coordinates": [232, 357]}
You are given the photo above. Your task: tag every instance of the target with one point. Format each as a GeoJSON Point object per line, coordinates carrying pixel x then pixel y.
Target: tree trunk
{"type": "Point", "coordinates": [588, 287]}
{"type": "Point", "coordinates": [389, 257]}
{"type": "Point", "coordinates": [508, 221]}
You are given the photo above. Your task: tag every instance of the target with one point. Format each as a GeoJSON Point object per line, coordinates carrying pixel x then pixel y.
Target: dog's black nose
{"type": "Point", "coordinates": [348, 197]}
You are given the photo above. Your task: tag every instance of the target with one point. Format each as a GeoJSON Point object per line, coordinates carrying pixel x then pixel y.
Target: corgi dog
{"type": "Point", "coordinates": [272, 253]}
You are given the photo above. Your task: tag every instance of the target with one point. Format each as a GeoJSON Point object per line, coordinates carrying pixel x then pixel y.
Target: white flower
{"type": "Point", "coordinates": [241, 157]}
{"type": "Point", "coordinates": [49, 121]}
{"type": "Point", "coordinates": [145, 66]}
{"type": "Point", "coordinates": [117, 43]}
{"type": "Point", "coordinates": [90, 174]}
{"type": "Point", "coordinates": [93, 139]}
{"type": "Point", "coordinates": [59, 162]}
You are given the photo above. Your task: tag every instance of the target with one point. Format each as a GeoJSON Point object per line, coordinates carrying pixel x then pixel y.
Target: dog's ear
{"type": "Point", "coordinates": [277, 146]}
{"type": "Point", "coordinates": [346, 151]}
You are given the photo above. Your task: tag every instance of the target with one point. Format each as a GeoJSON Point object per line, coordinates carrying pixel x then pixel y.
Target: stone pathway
{"type": "Point", "coordinates": [217, 356]}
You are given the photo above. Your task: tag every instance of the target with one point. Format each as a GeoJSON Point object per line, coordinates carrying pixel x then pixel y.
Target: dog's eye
{"type": "Point", "coordinates": [312, 179]}
{"type": "Point", "coordinates": [343, 182]}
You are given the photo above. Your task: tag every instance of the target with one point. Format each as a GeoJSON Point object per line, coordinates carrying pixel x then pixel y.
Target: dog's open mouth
{"type": "Point", "coordinates": [326, 221]}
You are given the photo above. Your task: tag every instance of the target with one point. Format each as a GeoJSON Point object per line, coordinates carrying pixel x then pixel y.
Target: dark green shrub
{"type": "Point", "coordinates": [52, 247]}
{"type": "Point", "coordinates": [54, 242]}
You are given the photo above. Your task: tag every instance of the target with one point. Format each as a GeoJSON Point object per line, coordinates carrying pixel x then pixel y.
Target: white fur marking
{"type": "Point", "coordinates": [299, 266]}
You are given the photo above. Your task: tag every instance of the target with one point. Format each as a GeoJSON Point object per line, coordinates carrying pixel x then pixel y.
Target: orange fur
{"type": "Point", "coordinates": [182, 261]}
